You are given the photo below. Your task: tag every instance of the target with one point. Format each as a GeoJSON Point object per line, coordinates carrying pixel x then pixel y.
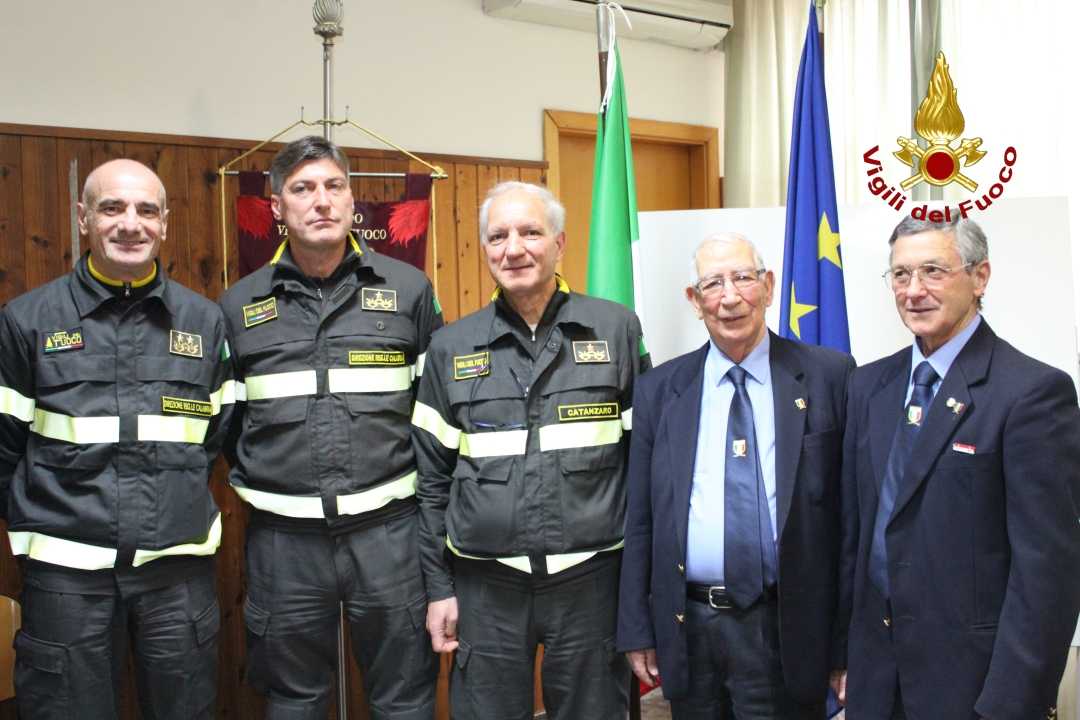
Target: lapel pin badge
{"type": "Point", "coordinates": [800, 403]}
{"type": "Point", "coordinates": [955, 406]}
{"type": "Point", "coordinates": [965, 448]}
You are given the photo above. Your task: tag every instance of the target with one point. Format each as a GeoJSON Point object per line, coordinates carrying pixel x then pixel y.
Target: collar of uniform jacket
{"type": "Point", "coordinates": [562, 309]}
{"type": "Point", "coordinates": [358, 257]}
{"type": "Point", "coordinates": [89, 294]}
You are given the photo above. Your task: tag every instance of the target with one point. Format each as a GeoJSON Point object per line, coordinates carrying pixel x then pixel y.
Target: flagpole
{"type": "Point", "coordinates": [603, 42]}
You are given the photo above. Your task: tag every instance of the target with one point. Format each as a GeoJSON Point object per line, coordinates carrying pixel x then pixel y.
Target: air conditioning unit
{"type": "Point", "coordinates": [696, 24]}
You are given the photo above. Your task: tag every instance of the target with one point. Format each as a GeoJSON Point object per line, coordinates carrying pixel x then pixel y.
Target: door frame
{"type": "Point", "coordinates": [704, 142]}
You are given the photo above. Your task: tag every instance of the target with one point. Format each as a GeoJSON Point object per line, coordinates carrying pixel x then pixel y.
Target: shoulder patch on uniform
{"type": "Point", "coordinates": [61, 340]}
{"type": "Point", "coordinates": [380, 358]}
{"type": "Point", "coordinates": [260, 312]}
{"type": "Point", "coordinates": [588, 411]}
{"type": "Point", "coordinates": [380, 299]}
{"type": "Point", "coordinates": [470, 366]}
{"type": "Point", "coordinates": [591, 351]}
{"type": "Point", "coordinates": [184, 406]}
{"type": "Point", "coordinates": [183, 343]}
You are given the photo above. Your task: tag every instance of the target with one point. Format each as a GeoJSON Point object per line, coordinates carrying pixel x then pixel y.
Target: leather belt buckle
{"type": "Point", "coordinates": [719, 598]}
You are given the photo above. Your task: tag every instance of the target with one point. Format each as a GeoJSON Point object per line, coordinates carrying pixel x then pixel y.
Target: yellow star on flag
{"type": "Point", "coordinates": [796, 311]}
{"type": "Point", "coordinates": [828, 242]}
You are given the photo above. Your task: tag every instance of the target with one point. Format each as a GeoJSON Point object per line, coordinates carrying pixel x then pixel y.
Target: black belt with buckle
{"type": "Point", "coordinates": [717, 596]}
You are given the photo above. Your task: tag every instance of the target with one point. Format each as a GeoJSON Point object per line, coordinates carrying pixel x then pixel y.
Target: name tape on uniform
{"type": "Point", "coordinates": [470, 366]}
{"type": "Point", "coordinates": [379, 299]}
{"type": "Point", "coordinates": [61, 340]}
{"type": "Point", "coordinates": [376, 358]}
{"type": "Point", "coordinates": [591, 351]}
{"type": "Point", "coordinates": [260, 312]}
{"type": "Point", "coordinates": [184, 406]}
{"type": "Point", "coordinates": [588, 411]}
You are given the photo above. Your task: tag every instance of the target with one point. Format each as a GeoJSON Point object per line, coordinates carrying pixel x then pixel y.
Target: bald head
{"type": "Point", "coordinates": [123, 217]}
{"type": "Point", "coordinates": [121, 170]}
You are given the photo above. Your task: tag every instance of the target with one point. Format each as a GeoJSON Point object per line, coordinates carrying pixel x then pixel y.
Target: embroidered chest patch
{"type": "Point", "coordinates": [591, 351]}
{"type": "Point", "coordinates": [588, 411]}
{"type": "Point", "coordinates": [470, 366]}
{"type": "Point", "coordinates": [376, 358]}
{"type": "Point", "coordinates": [260, 312]}
{"type": "Point", "coordinates": [379, 299]}
{"type": "Point", "coordinates": [63, 340]}
{"type": "Point", "coordinates": [188, 344]}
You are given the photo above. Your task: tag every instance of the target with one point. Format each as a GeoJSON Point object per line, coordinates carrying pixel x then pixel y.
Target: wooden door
{"type": "Point", "coordinates": [676, 167]}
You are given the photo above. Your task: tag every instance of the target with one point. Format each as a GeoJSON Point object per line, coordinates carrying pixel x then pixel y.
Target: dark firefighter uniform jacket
{"type": "Point", "coordinates": [521, 435]}
{"type": "Point", "coordinates": [113, 405]}
{"type": "Point", "coordinates": [326, 373]}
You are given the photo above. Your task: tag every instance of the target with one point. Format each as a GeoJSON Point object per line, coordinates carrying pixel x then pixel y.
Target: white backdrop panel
{"type": "Point", "coordinates": [1030, 300]}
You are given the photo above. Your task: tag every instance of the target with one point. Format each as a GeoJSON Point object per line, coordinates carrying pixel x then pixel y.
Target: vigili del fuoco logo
{"type": "Point", "coordinates": [942, 159]}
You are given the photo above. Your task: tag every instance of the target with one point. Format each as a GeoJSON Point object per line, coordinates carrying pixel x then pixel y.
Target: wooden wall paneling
{"type": "Point", "coordinates": [12, 260]}
{"type": "Point", "coordinates": [44, 256]}
{"type": "Point", "coordinates": [508, 172]}
{"type": "Point", "coordinates": [204, 220]}
{"type": "Point", "coordinates": [487, 177]}
{"type": "Point", "coordinates": [467, 251]}
{"type": "Point", "coordinates": [104, 150]}
{"type": "Point", "coordinates": [532, 175]}
{"type": "Point", "coordinates": [66, 151]}
{"type": "Point", "coordinates": [445, 266]}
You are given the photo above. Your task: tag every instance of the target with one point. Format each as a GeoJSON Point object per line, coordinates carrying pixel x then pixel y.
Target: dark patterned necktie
{"type": "Point", "coordinates": [903, 441]}
{"type": "Point", "coordinates": [749, 551]}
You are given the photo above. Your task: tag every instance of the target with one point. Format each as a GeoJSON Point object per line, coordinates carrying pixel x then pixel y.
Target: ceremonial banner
{"type": "Point", "coordinates": [812, 304]}
{"type": "Point", "coordinates": [397, 228]}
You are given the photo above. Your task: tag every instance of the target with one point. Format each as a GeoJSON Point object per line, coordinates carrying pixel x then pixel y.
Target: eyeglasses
{"type": "Point", "coordinates": [741, 280]}
{"type": "Point", "coordinates": [929, 274]}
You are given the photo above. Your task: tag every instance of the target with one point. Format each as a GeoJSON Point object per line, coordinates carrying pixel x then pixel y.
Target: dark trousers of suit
{"type": "Point", "coordinates": [734, 665]}
{"type": "Point", "coordinates": [505, 613]}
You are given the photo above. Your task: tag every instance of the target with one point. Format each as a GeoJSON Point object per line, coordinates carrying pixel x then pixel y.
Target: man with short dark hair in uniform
{"type": "Point", "coordinates": [521, 427]}
{"type": "Point", "coordinates": [115, 395]}
{"type": "Point", "coordinates": [329, 338]}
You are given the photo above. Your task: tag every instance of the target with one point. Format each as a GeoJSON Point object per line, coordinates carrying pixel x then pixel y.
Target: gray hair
{"type": "Point", "coordinates": [725, 238]}
{"type": "Point", "coordinates": [312, 147]}
{"type": "Point", "coordinates": [554, 212]}
{"type": "Point", "coordinates": [968, 237]}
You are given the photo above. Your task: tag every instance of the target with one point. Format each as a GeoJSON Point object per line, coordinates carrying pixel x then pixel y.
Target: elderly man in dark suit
{"type": "Point", "coordinates": [729, 577]}
{"type": "Point", "coordinates": [961, 459]}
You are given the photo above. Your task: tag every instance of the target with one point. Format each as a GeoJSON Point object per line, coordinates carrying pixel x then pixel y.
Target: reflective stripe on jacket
{"type": "Point", "coordinates": [112, 410]}
{"type": "Point", "coordinates": [326, 373]}
{"type": "Point", "coordinates": [521, 435]}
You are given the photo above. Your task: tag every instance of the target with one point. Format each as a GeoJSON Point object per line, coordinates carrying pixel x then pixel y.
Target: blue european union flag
{"type": "Point", "coordinates": [812, 306]}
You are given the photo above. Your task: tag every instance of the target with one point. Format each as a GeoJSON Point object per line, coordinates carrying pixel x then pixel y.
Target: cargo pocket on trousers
{"type": "Point", "coordinates": [201, 687]}
{"type": "Point", "coordinates": [257, 622]}
{"type": "Point", "coordinates": [41, 678]}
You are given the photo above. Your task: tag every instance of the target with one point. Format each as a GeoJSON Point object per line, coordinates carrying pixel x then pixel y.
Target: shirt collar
{"type": "Point", "coordinates": [756, 363]}
{"type": "Point", "coordinates": [284, 268]}
{"type": "Point", "coordinates": [942, 358]}
{"type": "Point", "coordinates": [89, 294]}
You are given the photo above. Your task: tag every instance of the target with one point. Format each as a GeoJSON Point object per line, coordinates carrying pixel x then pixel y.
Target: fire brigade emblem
{"type": "Point", "coordinates": [591, 351]}
{"type": "Point", "coordinates": [380, 299]}
{"type": "Point", "coordinates": [188, 344]}
{"type": "Point", "coordinates": [939, 122]}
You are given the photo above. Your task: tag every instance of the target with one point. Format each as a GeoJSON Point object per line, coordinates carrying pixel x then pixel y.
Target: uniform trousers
{"type": "Point", "coordinates": [72, 649]}
{"type": "Point", "coordinates": [296, 580]}
{"type": "Point", "coordinates": [505, 613]}
{"type": "Point", "coordinates": [734, 664]}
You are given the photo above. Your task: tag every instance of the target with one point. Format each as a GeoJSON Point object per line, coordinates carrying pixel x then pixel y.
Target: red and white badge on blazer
{"type": "Point", "coordinates": [963, 448]}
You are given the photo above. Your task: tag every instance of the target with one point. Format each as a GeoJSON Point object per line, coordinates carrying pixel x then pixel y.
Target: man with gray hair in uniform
{"type": "Point", "coordinates": [520, 430]}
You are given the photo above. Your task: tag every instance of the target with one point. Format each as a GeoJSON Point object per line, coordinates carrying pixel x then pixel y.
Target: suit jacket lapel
{"type": "Point", "coordinates": [969, 368]}
{"type": "Point", "coordinates": [681, 417]}
{"type": "Point", "coordinates": [886, 408]}
{"type": "Point", "coordinates": [787, 385]}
